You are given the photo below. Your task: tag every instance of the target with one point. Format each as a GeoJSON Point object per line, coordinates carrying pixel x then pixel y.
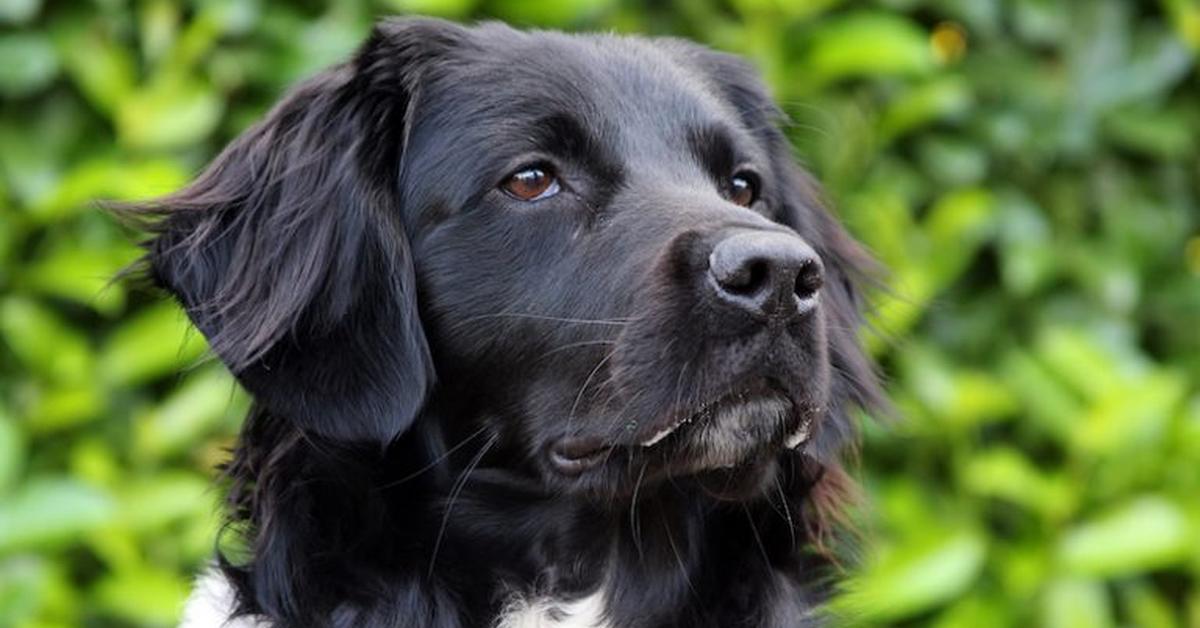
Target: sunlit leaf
{"type": "Point", "coordinates": [152, 502]}
{"type": "Point", "coordinates": [445, 8]}
{"type": "Point", "coordinates": [146, 596]}
{"type": "Point", "coordinates": [102, 68]}
{"type": "Point", "coordinates": [190, 412]}
{"type": "Point", "coordinates": [1076, 604]}
{"type": "Point", "coordinates": [1146, 533]}
{"type": "Point", "coordinates": [107, 179]}
{"type": "Point", "coordinates": [51, 512]}
{"type": "Point", "coordinates": [868, 43]}
{"type": "Point", "coordinates": [168, 114]}
{"type": "Point", "coordinates": [916, 578]}
{"type": "Point", "coordinates": [49, 407]}
{"type": "Point", "coordinates": [43, 341]}
{"type": "Point", "coordinates": [1005, 473]}
{"type": "Point", "coordinates": [157, 341]}
{"type": "Point", "coordinates": [82, 275]}
{"type": "Point", "coordinates": [561, 13]}
{"type": "Point", "coordinates": [25, 583]}
{"type": "Point", "coordinates": [941, 98]}
{"type": "Point", "coordinates": [18, 11]}
{"type": "Point", "coordinates": [12, 451]}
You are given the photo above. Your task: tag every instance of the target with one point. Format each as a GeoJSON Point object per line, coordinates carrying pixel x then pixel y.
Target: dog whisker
{"type": "Point", "coordinates": [433, 463]}
{"type": "Point", "coordinates": [683, 570]}
{"type": "Point", "coordinates": [575, 345]}
{"type": "Point", "coordinates": [762, 548]}
{"type": "Point", "coordinates": [582, 389]}
{"type": "Point", "coordinates": [635, 524]}
{"type": "Point", "coordinates": [555, 319]}
{"type": "Point", "coordinates": [454, 492]}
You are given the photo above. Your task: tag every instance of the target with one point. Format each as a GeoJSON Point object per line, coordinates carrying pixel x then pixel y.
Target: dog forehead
{"type": "Point", "coordinates": [626, 88]}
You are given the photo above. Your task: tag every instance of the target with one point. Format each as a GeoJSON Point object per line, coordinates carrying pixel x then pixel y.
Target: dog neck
{"type": "Point", "coordinates": [408, 522]}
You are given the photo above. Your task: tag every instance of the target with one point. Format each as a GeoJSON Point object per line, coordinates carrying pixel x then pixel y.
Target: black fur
{"type": "Point", "coordinates": [417, 342]}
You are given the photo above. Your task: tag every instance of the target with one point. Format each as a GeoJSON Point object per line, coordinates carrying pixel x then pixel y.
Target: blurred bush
{"type": "Point", "coordinates": [1027, 169]}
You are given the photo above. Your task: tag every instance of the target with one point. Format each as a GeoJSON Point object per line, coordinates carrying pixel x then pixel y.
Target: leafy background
{"type": "Point", "coordinates": [1027, 169]}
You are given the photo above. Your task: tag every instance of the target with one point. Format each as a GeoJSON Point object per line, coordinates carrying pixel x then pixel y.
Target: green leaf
{"type": "Point", "coordinates": [942, 98]}
{"type": "Point", "coordinates": [108, 179]}
{"type": "Point", "coordinates": [560, 13]}
{"type": "Point", "coordinates": [146, 596]}
{"type": "Point", "coordinates": [102, 68]}
{"type": "Point", "coordinates": [29, 65]}
{"type": "Point", "coordinates": [83, 275]}
{"type": "Point", "coordinates": [916, 578]}
{"type": "Point", "coordinates": [52, 512]}
{"type": "Point", "coordinates": [29, 163]}
{"type": "Point", "coordinates": [25, 585]}
{"type": "Point", "coordinates": [1149, 532]}
{"type": "Point", "coordinates": [978, 611]}
{"type": "Point", "coordinates": [18, 12]}
{"type": "Point", "coordinates": [1005, 473]}
{"type": "Point", "coordinates": [1080, 361]}
{"type": "Point", "coordinates": [189, 413]}
{"type": "Point", "coordinates": [168, 115]}
{"type": "Point", "coordinates": [790, 8]}
{"type": "Point", "coordinates": [164, 498]}
{"type": "Point", "coordinates": [952, 162]}
{"type": "Point", "coordinates": [12, 452]}
{"type": "Point", "coordinates": [1185, 16]}
{"type": "Point", "coordinates": [50, 407]}
{"type": "Point", "coordinates": [157, 341]}
{"type": "Point", "coordinates": [443, 8]}
{"type": "Point", "coordinates": [958, 225]}
{"type": "Point", "coordinates": [868, 44]}
{"type": "Point", "coordinates": [43, 341]}
{"type": "Point", "coordinates": [1159, 134]}
{"type": "Point", "coordinates": [957, 396]}
{"type": "Point", "coordinates": [1147, 608]}
{"type": "Point", "coordinates": [1076, 604]}
{"type": "Point", "coordinates": [1132, 417]}
{"type": "Point", "coordinates": [1028, 256]}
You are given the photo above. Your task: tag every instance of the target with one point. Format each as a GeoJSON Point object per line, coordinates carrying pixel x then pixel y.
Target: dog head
{"type": "Point", "coordinates": [594, 253]}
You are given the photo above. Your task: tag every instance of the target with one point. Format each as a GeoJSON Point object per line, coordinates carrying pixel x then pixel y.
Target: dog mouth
{"type": "Point", "coordinates": [720, 433]}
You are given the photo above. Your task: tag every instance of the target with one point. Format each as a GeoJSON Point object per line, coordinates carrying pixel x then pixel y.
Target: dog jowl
{"type": "Point", "coordinates": [540, 328]}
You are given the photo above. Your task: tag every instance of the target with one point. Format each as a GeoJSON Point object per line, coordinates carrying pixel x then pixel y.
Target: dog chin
{"type": "Point", "coordinates": [738, 430]}
{"type": "Point", "coordinates": [731, 449]}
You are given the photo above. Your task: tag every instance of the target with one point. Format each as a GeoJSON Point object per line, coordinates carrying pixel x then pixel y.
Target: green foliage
{"type": "Point", "coordinates": [1026, 169]}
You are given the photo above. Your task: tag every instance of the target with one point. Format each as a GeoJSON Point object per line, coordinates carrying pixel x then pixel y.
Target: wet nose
{"type": "Point", "coordinates": [766, 273]}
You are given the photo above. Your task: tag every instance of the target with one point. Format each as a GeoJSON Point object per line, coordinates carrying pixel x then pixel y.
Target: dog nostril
{"type": "Point", "coordinates": [763, 272]}
{"type": "Point", "coordinates": [749, 279]}
{"type": "Point", "coordinates": [809, 280]}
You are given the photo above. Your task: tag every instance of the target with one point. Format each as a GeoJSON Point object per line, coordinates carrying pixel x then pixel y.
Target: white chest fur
{"type": "Point", "coordinates": [210, 605]}
{"type": "Point", "coordinates": [212, 601]}
{"type": "Point", "coordinates": [587, 612]}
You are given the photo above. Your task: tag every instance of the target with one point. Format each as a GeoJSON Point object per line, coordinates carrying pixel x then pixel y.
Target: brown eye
{"type": "Point", "coordinates": [743, 189]}
{"type": "Point", "coordinates": [531, 184]}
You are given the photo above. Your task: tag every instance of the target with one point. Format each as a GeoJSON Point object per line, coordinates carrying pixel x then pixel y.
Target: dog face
{"type": "Point", "coordinates": [593, 253]}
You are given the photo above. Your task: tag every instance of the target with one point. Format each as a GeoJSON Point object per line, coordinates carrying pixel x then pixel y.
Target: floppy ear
{"type": "Point", "coordinates": [289, 254]}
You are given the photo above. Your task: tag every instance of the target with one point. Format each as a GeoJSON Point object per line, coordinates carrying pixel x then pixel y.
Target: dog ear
{"type": "Point", "coordinates": [289, 254]}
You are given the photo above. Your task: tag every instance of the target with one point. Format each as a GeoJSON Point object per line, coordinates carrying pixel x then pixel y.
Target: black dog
{"type": "Point", "coordinates": [542, 330]}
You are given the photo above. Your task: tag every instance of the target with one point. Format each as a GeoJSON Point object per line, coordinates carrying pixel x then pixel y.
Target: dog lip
{"type": "Point", "coordinates": [799, 436]}
{"type": "Point", "coordinates": [670, 429]}
{"type": "Point", "coordinates": [706, 411]}
{"type": "Point", "coordinates": [574, 455]}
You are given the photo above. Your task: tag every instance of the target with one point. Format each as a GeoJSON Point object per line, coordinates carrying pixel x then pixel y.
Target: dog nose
{"type": "Point", "coordinates": [766, 273]}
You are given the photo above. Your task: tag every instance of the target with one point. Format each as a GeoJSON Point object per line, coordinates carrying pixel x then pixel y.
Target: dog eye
{"type": "Point", "coordinates": [743, 189]}
{"type": "Point", "coordinates": [531, 184]}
